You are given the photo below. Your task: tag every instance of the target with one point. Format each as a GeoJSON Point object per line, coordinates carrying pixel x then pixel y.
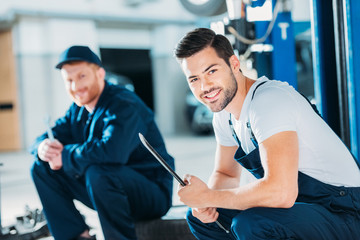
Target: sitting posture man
{"type": "Point", "coordinates": [96, 156]}
{"type": "Point", "coordinates": [308, 183]}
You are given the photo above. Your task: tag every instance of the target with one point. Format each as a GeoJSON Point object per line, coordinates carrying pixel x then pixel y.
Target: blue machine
{"type": "Point", "coordinates": [283, 54]}
{"type": "Point", "coordinates": [279, 63]}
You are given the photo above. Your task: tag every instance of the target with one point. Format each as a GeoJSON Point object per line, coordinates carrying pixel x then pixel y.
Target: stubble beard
{"type": "Point", "coordinates": [229, 94]}
{"type": "Point", "coordinates": [93, 93]}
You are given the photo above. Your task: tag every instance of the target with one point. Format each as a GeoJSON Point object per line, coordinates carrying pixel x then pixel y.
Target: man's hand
{"type": "Point", "coordinates": [205, 215]}
{"type": "Point", "coordinates": [195, 194]}
{"type": "Point", "coordinates": [56, 162]}
{"type": "Point", "coordinates": [50, 151]}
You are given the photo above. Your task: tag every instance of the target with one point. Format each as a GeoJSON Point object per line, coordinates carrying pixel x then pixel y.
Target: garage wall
{"type": "Point", "coordinates": [9, 107]}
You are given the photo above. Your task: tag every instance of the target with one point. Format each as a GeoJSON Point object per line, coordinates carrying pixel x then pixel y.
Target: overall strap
{"type": "Point", "coordinates": [233, 131]}
{"type": "Point", "coordinates": [252, 137]}
{"type": "Point", "coordinates": [248, 125]}
{"type": "Point", "coordinates": [252, 97]}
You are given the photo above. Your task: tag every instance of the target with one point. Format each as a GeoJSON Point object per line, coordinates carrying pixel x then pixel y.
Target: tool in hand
{"type": "Point", "coordinates": [169, 169]}
{"type": "Point", "coordinates": [48, 128]}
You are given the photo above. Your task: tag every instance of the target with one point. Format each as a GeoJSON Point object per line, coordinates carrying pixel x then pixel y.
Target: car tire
{"type": "Point", "coordinates": [200, 123]}
{"type": "Point", "coordinates": [164, 229]}
{"type": "Point", "coordinates": [208, 8]}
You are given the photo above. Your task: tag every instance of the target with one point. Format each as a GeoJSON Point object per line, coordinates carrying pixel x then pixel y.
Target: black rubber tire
{"type": "Point", "coordinates": [209, 8]}
{"type": "Point", "coordinates": [164, 229]}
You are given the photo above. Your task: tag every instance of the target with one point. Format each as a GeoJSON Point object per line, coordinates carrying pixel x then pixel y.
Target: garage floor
{"type": "Point", "coordinates": [193, 154]}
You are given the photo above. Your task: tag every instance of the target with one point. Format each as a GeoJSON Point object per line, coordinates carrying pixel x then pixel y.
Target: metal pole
{"type": "Point", "coordinates": [341, 70]}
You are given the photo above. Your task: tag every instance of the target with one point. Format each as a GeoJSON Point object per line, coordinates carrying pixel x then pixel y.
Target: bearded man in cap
{"type": "Point", "coordinates": [96, 156]}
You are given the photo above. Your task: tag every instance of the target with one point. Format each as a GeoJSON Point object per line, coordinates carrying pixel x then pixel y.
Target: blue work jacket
{"type": "Point", "coordinates": [109, 136]}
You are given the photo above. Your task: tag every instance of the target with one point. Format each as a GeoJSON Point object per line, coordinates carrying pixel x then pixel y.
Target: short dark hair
{"type": "Point", "coordinates": [201, 38]}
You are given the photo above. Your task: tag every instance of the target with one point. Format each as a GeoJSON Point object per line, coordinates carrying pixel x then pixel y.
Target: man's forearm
{"type": "Point", "coordinates": [260, 193]}
{"type": "Point", "coordinates": [220, 180]}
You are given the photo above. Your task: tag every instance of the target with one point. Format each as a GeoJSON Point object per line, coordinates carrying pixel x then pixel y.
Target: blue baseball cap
{"type": "Point", "coordinates": [78, 53]}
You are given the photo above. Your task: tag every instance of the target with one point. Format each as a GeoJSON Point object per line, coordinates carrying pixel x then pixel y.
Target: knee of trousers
{"type": "Point", "coordinates": [38, 169]}
{"type": "Point", "coordinates": [253, 222]}
{"type": "Point", "coordinates": [99, 181]}
{"type": "Point", "coordinates": [247, 224]}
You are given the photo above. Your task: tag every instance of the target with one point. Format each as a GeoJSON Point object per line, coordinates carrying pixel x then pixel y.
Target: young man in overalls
{"type": "Point", "coordinates": [307, 182]}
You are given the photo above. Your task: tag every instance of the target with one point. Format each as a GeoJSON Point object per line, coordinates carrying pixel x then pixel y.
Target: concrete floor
{"type": "Point", "coordinates": [193, 154]}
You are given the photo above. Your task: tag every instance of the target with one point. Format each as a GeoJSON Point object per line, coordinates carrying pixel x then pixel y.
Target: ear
{"type": "Point", "coordinates": [234, 63]}
{"type": "Point", "coordinates": [101, 73]}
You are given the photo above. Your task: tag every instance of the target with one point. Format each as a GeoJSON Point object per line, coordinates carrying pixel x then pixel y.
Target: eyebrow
{"type": "Point", "coordinates": [204, 70]}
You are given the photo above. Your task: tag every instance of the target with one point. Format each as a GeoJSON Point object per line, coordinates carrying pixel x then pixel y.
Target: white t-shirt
{"type": "Point", "coordinates": [278, 107]}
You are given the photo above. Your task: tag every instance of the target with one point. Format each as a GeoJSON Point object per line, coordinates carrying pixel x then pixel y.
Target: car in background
{"type": "Point", "coordinates": [199, 116]}
{"type": "Point", "coordinates": [121, 80]}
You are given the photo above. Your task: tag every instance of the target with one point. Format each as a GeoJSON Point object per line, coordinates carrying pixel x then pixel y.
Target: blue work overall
{"type": "Point", "coordinates": [321, 211]}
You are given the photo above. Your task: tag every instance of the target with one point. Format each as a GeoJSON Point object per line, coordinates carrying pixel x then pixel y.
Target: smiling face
{"type": "Point", "coordinates": [210, 79]}
{"type": "Point", "coordinates": [84, 82]}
